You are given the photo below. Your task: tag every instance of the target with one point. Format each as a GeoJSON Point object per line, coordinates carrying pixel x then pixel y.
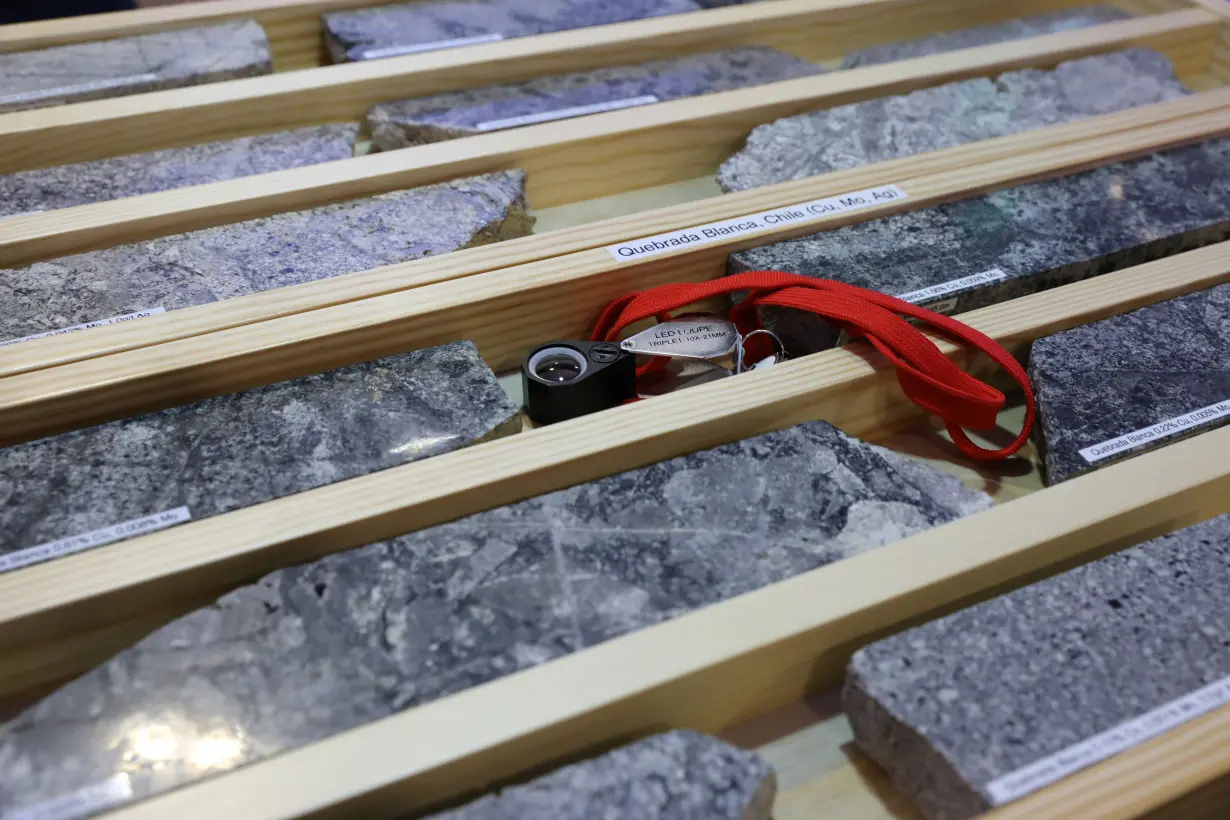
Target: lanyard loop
{"type": "Point", "coordinates": [927, 376]}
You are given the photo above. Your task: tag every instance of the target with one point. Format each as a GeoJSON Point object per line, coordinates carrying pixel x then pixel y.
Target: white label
{"type": "Point", "coordinates": [23, 213]}
{"type": "Point", "coordinates": [564, 113]}
{"type": "Point", "coordinates": [76, 88]}
{"type": "Point", "coordinates": [97, 538]}
{"type": "Point", "coordinates": [719, 231]}
{"type": "Point", "coordinates": [1196, 418]}
{"type": "Point", "coordinates": [114, 320]}
{"type": "Point", "coordinates": [945, 307]}
{"type": "Point", "coordinates": [1130, 733]}
{"type": "Point", "coordinates": [924, 295]}
{"type": "Point", "coordinates": [90, 800]}
{"type": "Point", "coordinates": [416, 48]}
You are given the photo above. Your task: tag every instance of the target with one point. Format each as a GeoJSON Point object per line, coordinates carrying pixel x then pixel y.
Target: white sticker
{"type": "Point", "coordinates": [23, 213]}
{"type": "Point", "coordinates": [717, 231]}
{"type": "Point", "coordinates": [564, 113]}
{"type": "Point", "coordinates": [96, 538]}
{"type": "Point", "coordinates": [945, 307]}
{"type": "Point", "coordinates": [1196, 418]}
{"type": "Point", "coordinates": [919, 297]}
{"type": "Point", "coordinates": [114, 320]}
{"type": "Point", "coordinates": [1056, 767]}
{"type": "Point", "coordinates": [109, 793]}
{"type": "Point", "coordinates": [76, 88]}
{"type": "Point", "coordinates": [416, 48]}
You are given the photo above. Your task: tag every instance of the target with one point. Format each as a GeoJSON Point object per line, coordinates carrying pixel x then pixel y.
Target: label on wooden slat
{"type": "Point", "coordinates": [435, 45]}
{"type": "Point", "coordinates": [925, 296]}
{"type": "Point", "coordinates": [564, 113]}
{"type": "Point", "coordinates": [1048, 770]}
{"type": "Point", "coordinates": [95, 538]}
{"type": "Point", "coordinates": [81, 803]}
{"type": "Point", "coordinates": [114, 320]}
{"type": "Point", "coordinates": [719, 231]}
{"type": "Point", "coordinates": [1163, 429]}
{"type": "Point", "coordinates": [75, 88]}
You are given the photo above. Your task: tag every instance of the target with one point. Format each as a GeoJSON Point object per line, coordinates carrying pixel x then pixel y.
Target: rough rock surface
{"type": "Point", "coordinates": [318, 649]}
{"type": "Point", "coordinates": [64, 186]}
{"type": "Point", "coordinates": [678, 775]}
{"type": "Point", "coordinates": [1011, 243]}
{"type": "Point", "coordinates": [261, 254]}
{"type": "Point", "coordinates": [948, 115]}
{"type": "Point", "coordinates": [1124, 375]}
{"type": "Point", "coordinates": [132, 65]}
{"type": "Point", "coordinates": [491, 108]}
{"type": "Point", "coordinates": [234, 451]}
{"type": "Point", "coordinates": [954, 707]}
{"type": "Point", "coordinates": [1053, 23]}
{"type": "Point", "coordinates": [389, 31]}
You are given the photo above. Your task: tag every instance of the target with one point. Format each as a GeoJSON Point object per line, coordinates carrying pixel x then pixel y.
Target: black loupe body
{"type": "Point", "coordinates": [563, 380]}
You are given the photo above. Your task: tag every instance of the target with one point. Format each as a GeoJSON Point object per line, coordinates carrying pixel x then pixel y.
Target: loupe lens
{"type": "Point", "coordinates": [559, 368]}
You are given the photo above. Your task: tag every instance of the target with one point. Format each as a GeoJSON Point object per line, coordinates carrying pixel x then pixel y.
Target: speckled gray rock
{"type": "Point", "coordinates": [1053, 23]}
{"type": "Point", "coordinates": [234, 451]}
{"type": "Point", "coordinates": [64, 186]}
{"type": "Point", "coordinates": [954, 707]}
{"type": "Point", "coordinates": [479, 110]}
{"type": "Point", "coordinates": [948, 115]}
{"type": "Point", "coordinates": [1166, 364]}
{"type": "Point", "coordinates": [317, 649]}
{"type": "Point", "coordinates": [262, 254]}
{"type": "Point", "coordinates": [390, 31]}
{"type": "Point", "coordinates": [132, 65]}
{"type": "Point", "coordinates": [678, 775]}
{"type": "Point", "coordinates": [1011, 243]}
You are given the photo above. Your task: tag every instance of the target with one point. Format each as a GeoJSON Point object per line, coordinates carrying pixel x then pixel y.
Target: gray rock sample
{"type": "Point", "coordinates": [1122, 386]}
{"type": "Point", "coordinates": [492, 108]}
{"type": "Point", "coordinates": [64, 186]}
{"type": "Point", "coordinates": [967, 711]}
{"type": "Point", "coordinates": [948, 115]}
{"type": "Point", "coordinates": [132, 65]}
{"type": "Point", "coordinates": [85, 488]}
{"type": "Point", "coordinates": [167, 273]}
{"type": "Point", "coordinates": [679, 775]}
{"type": "Point", "coordinates": [1052, 23]}
{"type": "Point", "coordinates": [429, 25]}
{"type": "Point", "coordinates": [321, 648]}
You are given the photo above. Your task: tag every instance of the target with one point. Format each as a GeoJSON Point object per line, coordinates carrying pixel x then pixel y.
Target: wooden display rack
{"type": "Point", "coordinates": [756, 667]}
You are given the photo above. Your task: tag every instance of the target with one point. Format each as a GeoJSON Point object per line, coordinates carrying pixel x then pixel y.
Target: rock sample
{"type": "Point", "coordinates": [167, 273]}
{"type": "Point", "coordinates": [679, 775]}
{"type": "Point", "coordinates": [1053, 23]}
{"type": "Point", "coordinates": [90, 487]}
{"type": "Point", "coordinates": [982, 707]}
{"type": "Point", "coordinates": [64, 186]}
{"type": "Point", "coordinates": [132, 65]}
{"type": "Point", "coordinates": [1120, 387]}
{"type": "Point", "coordinates": [430, 25]}
{"type": "Point", "coordinates": [948, 115]}
{"type": "Point", "coordinates": [321, 648]}
{"type": "Point", "coordinates": [492, 108]}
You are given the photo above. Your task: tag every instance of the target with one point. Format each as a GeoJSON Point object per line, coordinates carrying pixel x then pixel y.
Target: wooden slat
{"type": "Point", "coordinates": [258, 307]}
{"type": "Point", "coordinates": [718, 666]}
{"type": "Point", "coordinates": [47, 603]}
{"type": "Point", "coordinates": [345, 92]}
{"type": "Point", "coordinates": [505, 312]}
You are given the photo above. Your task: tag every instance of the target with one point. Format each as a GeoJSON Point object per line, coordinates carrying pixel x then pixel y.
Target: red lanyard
{"type": "Point", "coordinates": [926, 375]}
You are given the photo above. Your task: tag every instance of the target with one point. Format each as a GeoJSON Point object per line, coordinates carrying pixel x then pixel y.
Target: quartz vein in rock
{"type": "Point", "coordinates": [132, 65]}
{"type": "Point", "coordinates": [491, 108]}
{"type": "Point", "coordinates": [1053, 23]}
{"type": "Point", "coordinates": [234, 451]}
{"type": "Point", "coordinates": [64, 186]}
{"type": "Point", "coordinates": [317, 649]}
{"type": "Point", "coordinates": [948, 115]}
{"type": "Point", "coordinates": [950, 708]}
{"type": "Point", "coordinates": [390, 31]}
{"type": "Point", "coordinates": [1123, 375]}
{"type": "Point", "coordinates": [679, 775]}
{"type": "Point", "coordinates": [262, 254]}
